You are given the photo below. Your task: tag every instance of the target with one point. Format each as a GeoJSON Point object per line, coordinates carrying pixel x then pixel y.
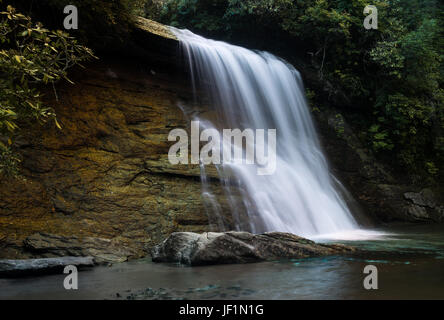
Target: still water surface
{"type": "Point", "coordinates": [410, 264]}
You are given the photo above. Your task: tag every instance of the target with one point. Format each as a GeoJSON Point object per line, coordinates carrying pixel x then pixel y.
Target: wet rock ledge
{"type": "Point", "coordinates": [240, 247]}
{"type": "Point", "coordinates": [14, 268]}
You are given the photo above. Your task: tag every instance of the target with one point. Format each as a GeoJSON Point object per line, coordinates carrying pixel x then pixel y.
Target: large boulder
{"type": "Point", "coordinates": [11, 268]}
{"type": "Point", "coordinates": [239, 247]}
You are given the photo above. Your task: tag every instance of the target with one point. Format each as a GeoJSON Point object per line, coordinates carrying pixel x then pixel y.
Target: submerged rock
{"type": "Point", "coordinates": [46, 265]}
{"type": "Point", "coordinates": [239, 247]}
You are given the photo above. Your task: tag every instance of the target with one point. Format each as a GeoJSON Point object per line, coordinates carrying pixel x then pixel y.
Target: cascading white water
{"type": "Point", "coordinates": [260, 91]}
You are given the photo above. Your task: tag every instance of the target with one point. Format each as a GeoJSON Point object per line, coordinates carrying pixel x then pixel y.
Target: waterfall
{"type": "Point", "coordinates": [258, 90]}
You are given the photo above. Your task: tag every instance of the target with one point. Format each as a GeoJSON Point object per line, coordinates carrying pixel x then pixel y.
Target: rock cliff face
{"type": "Point", "coordinates": [383, 194]}
{"type": "Point", "coordinates": [105, 175]}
